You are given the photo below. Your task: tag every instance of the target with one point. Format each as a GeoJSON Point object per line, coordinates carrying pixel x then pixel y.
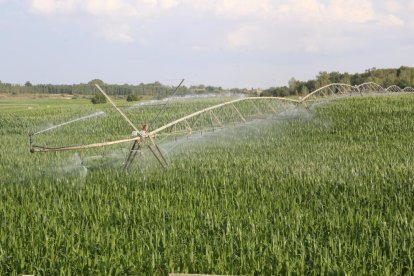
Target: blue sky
{"type": "Point", "coordinates": [228, 43]}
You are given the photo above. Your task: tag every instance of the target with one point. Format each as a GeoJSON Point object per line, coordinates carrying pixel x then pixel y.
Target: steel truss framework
{"type": "Point", "coordinates": [339, 89]}
{"type": "Point", "coordinates": [234, 111]}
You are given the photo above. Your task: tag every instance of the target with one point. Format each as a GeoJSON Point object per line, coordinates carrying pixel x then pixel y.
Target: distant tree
{"type": "Point", "coordinates": [210, 89]}
{"type": "Point", "coordinates": [28, 84]}
{"type": "Point", "coordinates": [133, 98]}
{"type": "Point", "coordinates": [311, 84]}
{"type": "Point", "coordinates": [357, 79]}
{"type": "Point", "coordinates": [345, 78]}
{"type": "Point", "coordinates": [304, 91]}
{"type": "Point", "coordinates": [98, 99]}
{"type": "Point", "coordinates": [322, 79]}
{"type": "Point", "coordinates": [404, 75]}
{"type": "Point", "coordinates": [335, 77]}
{"type": "Point", "coordinates": [96, 81]}
{"type": "Point", "coordinates": [276, 91]}
{"type": "Point", "coordinates": [283, 91]}
{"type": "Point", "coordinates": [293, 84]}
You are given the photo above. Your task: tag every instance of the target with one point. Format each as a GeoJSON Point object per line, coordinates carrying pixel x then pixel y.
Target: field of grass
{"type": "Point", "coordinates": [329, 191]}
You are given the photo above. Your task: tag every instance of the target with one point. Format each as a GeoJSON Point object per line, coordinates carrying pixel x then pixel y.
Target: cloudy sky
{"type": "Point", "coordinates": [228, 43]}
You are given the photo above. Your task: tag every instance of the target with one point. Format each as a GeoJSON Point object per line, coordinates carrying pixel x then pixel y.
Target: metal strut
{"type": "Point", "coordinates": [132, 154]}
{"type": "Point", "coordinates": [166, 104]}
{"type": "Point", "coordinates": [117, 109]}
{"type": "Point", "coordinates": [160, 157]}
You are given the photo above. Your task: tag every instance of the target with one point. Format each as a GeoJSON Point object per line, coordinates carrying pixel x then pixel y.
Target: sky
{"type": "Point", "coordinates": [227, 43]}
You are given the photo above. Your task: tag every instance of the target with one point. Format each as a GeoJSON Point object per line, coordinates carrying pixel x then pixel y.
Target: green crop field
{"type": "Point", "coordinates": [325, 191]}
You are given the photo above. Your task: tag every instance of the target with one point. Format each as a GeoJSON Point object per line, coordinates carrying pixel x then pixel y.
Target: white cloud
{"type": "Point", "coordinates": [411, 5]}
{"type": "Point", "coordinates": [353, 11]}
{"type": "Point", "coordinates": [393, 6]}
{"type": "Point", "coordinates": [167, 4]}
{"type": "Point", "coordinates": [111, 8]}
{"type": "Point", "coordinates": [206, 34]}
{"type": "Point", "coordinates": [283, 9]}
{"type": "Point", "coordinates": [53, 6]}
{"type": "Point", "coordinates": [242, 37]}
{"type": "Point", "coordinates": [103, 7]}
{"type": "Point", "coordinates": [252, 20]}
{"type": "Point", "coordinates": [120, 9]}
{"type": "Point", "coordinates": [44, 6]}
{"type": "Point", "coordinates": [308, 10]}
{"type": "Point", "coordinates": [233, 9]}
{"type": "Point", "coordinates": [319, 43]}
{"type": "Point", "coordinates": [240, 8]}
{"type": "Point", "coordinates": [391, 20]}
{"type": "Point", "coordinates": [120, 33]}
{"type": "Point", "coordinates": [118, 15]}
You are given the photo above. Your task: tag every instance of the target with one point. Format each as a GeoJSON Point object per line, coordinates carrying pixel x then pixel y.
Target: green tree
{"type": "Point", "coordinates": [322, 79]}
{"type": "Point", "coordinates": [345, 78]}
{"type": "Point", "coordinates": [98, 99]}
{"type": "Point", "coordinates": [96, 81]}
{"type": "Point", "coordinates": [404, 76]}
{"type": "Point", "coordinates": [293, 84]}
{"type": "Point", "coordinates": [304, 91]}
{"type": "Point", "coordinates": [335, 77]}
{"type": "Point", "coordinates": [133, 98]}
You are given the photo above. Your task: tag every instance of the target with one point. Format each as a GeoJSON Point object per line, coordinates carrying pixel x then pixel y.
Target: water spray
{"type": "Point", "coordinates": [32, 150]}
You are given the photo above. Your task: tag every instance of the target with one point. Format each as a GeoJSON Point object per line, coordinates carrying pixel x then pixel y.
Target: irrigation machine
{"type": "Point", "coordinates": [215, 116]}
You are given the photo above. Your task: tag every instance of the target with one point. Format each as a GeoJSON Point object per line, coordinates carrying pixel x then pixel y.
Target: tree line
{"type": "Point", "coordinates": [156, 89]}
{"type": "Point", "coordinates": [403, 77]}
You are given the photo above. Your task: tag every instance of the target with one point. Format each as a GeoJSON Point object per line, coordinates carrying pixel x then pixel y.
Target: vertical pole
{"type": "Point", "coordinates": [132, 154]}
